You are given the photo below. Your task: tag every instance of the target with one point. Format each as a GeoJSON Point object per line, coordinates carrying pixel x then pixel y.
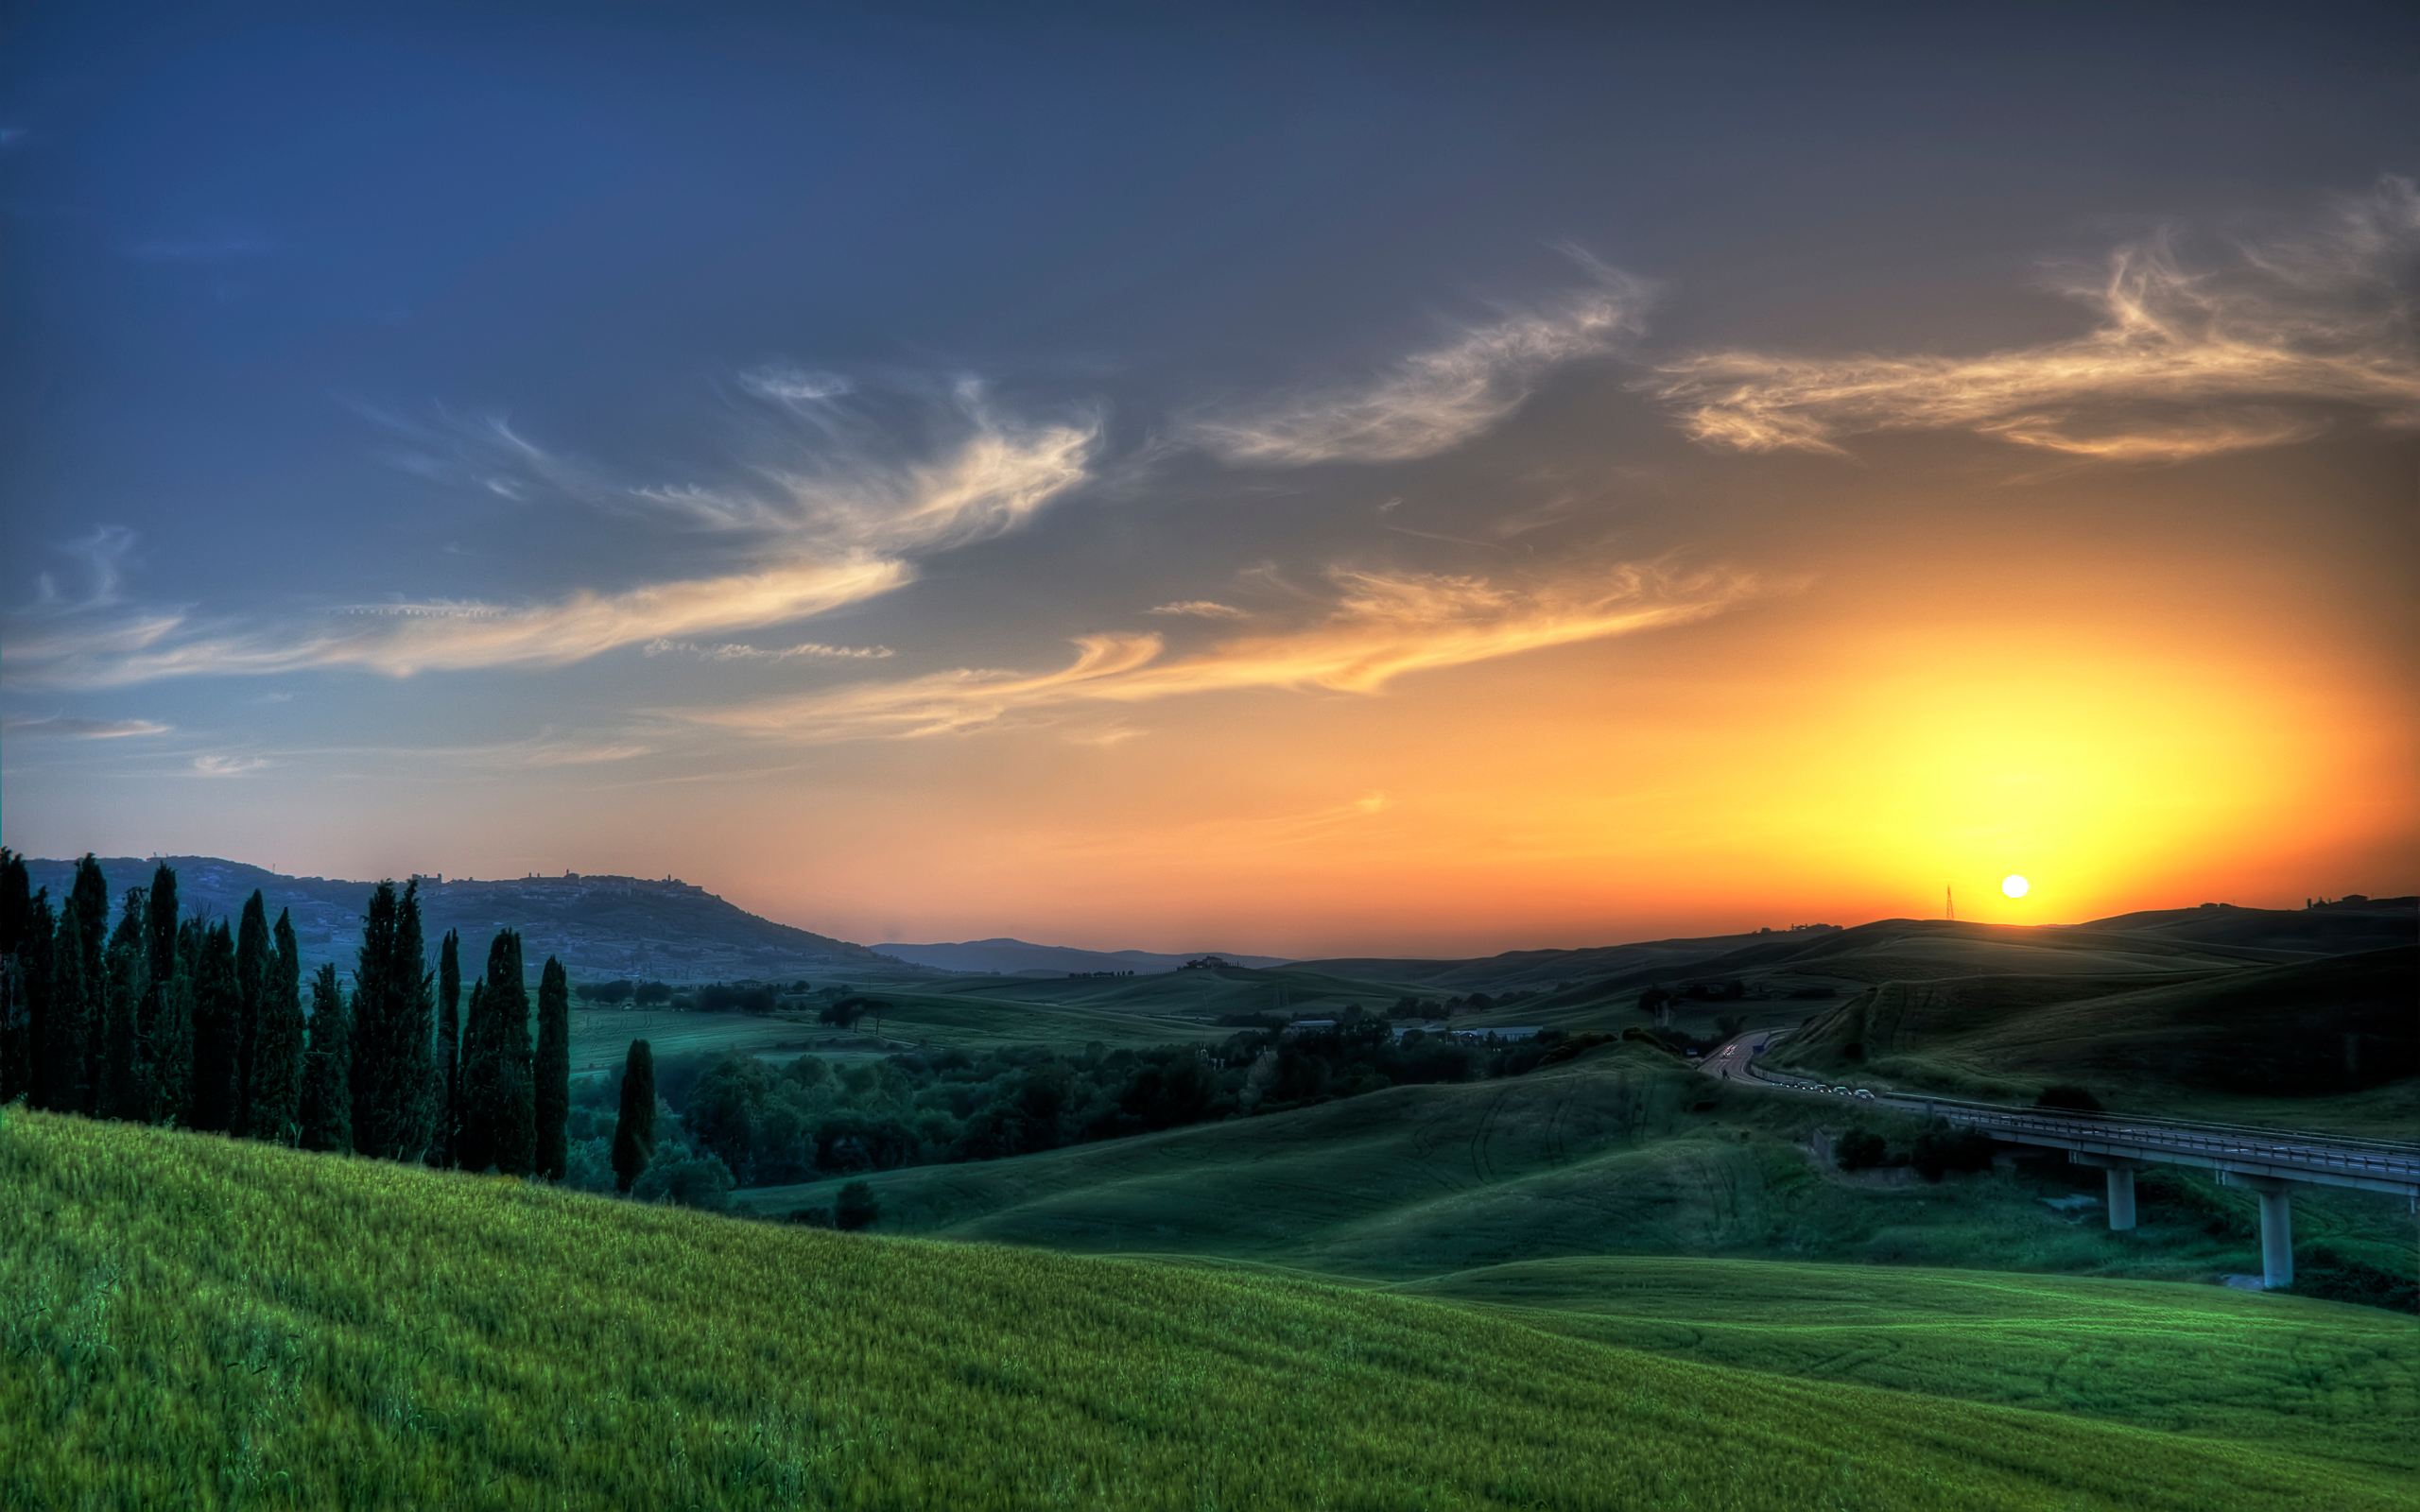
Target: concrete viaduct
{"type": "Point", "coordinates": [2268, 1163]}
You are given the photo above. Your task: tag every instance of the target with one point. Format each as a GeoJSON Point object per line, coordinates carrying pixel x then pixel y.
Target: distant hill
{"type": "Point", "coordinates": [600, 927]}
{"type": "Point", "coordinates": [1018, 958]}
{"type": "Point", "coordinates": [2335, 1034]}
{"type": "Point", "coordinates": [2159, 939]}
{"type": "Point", "coordinates": [2329, 929]}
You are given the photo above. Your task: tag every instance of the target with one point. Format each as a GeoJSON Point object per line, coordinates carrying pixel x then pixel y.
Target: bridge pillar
{"type": "Point", "coordinates": [2276, 1225]}
{"type": "Point", "coordinates": [2120, 1174]}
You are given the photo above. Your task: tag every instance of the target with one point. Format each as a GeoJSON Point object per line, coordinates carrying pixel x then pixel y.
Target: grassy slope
{"type": "Point", "coordinates": [2282, 1043]}
{"type": "Point", "coordinates": [1205, 994]}
{"type": "Point", "coordinates": [2320, 1379]}
{"type": "Point", "coordinates": [200, 1321]}
{"type": "Point", "coordinates": [600, 1036]}
{"type": "Point", "coordinates": [1608, 1154]}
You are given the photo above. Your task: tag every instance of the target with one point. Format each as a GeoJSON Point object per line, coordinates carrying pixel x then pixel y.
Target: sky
{"type": "Point", "coordinates": [1309, 480]}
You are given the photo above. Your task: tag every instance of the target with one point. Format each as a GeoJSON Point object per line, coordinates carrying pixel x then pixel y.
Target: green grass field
{"type": "Point", "coordinates": [2312, 1378]}
{"type": "Point", "coordinates": [2328, 1044]}
{"type": "Point", "coordinates": [1622, 1151]}
{"type": "Point", "coordinates": [601, 1036]}
{"type": "Point", "coordinates": [197, 1321]}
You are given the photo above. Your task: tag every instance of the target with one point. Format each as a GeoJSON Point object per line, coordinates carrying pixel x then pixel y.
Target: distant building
{"type": "Point", "coordinates": [1508, 1033]}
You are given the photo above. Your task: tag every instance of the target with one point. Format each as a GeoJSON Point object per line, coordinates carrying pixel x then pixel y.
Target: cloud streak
{"type": "Point", "coordinates": [2183, 360]}
{"type": "Point", "coordinates": [1379, 627]}
{"type": "Point", "coordinates": [734, 651]}
{"type": "Point", "coordinates": [63, 726]}
{"type": "Point", "coordinates": [830, 531]}
{"type": "Point", "coordinates": [1437, 399]}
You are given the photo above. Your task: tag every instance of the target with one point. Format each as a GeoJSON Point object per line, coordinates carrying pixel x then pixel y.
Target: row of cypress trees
{"type": "Point", "coordinates": [164, 1020]}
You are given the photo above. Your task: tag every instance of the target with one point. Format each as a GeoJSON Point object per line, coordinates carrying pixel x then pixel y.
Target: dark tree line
{"type": "Point", "coordinates": [159, 1018]}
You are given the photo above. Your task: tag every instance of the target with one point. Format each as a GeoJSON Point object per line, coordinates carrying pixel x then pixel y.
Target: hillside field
{"type": "Point", "coordinates": [198, 1320]}
{"type": "Point", "coordinates": [2332, 1044]}
{"type": "Point", "coordinates": [1623, 1150]}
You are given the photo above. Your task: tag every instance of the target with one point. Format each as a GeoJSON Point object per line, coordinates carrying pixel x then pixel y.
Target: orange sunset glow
{"type": "Point", "coordinates": [1581, 586]}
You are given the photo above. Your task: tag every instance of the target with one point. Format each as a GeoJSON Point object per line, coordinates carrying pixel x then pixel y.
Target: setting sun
{"type": "Point", "coordinates": [2015, 886]}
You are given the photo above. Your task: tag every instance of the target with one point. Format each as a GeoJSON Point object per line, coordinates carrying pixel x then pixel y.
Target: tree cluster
{"type": "Point", "coordinates": [161, 1019]}
{"type": "Point", "coordinates": [752, 1123]}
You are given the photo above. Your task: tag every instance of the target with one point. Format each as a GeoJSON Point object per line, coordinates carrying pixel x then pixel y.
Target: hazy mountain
{"type": "Point", "coordinates": [2211, 932]}
{"type": "Point", "coordinates": [1012, 957]}
{"type": "Point", "coordinates": [599, 926]}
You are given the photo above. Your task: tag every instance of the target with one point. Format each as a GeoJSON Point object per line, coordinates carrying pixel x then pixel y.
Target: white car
{"type": "Point", "coordinates": [1867, 1095]}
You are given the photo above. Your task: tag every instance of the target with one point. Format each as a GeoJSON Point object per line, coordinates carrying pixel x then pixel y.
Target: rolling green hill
{"type": "Point", "coordinates": [1620, 1151]}
{"type": "Point", "coordinates": [2331, 1043]}
{"type": "Point", "coordinates": [200, 1321]}
{"type": "Point", "coordinates": [2300, 1375]}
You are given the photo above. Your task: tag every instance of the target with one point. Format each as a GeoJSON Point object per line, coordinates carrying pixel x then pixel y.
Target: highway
{"type": "Point", "coordinates": [2322, 1159]}
{"type": "Point", "coordinates": [2269, 1162]}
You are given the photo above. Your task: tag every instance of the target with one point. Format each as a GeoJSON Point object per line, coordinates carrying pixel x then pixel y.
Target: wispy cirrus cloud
{"type": "Point", "coordinates": [63, 726]}
{"type": "Point", "coordinates": [833, 526]}
{"type": "Point", "coordinates": [1437, 398]}
{"type": "Point", "coordinates": [425, 638]}
{"type": "Point", "coordinates": [1378, 627]}
{"type": "Point", "coordinates": [1199, 608]}
{"type": "Point", "coordinates": [219, 765]}
{"type": "Point", "coordinates": [736, 651]}
{"type": "Point", "coordinates": [2186, 359]}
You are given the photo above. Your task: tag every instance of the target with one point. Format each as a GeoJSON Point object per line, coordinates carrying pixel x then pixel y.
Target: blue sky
{"type": "Point", "coordinates": [1023, 453]}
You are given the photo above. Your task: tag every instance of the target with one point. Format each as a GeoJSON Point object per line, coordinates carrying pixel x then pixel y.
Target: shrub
{"type": "Point", "coordinates": [2324, 1271]}
{"type": "Point", "coordinates": [1940, 1149]}
{"type": "Point", "coordinates": [2069, 1096]}
{"type": "Point", "coordinates": [700, 1181]}
{"type": "Point", "coordinates": [1860, 1149]}
{"type": "Point", "coordinates": [856, 1208]}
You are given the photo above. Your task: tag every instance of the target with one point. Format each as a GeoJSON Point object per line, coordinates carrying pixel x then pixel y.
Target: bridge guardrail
{"type": "Point", "coordinates": [2401, 1161]}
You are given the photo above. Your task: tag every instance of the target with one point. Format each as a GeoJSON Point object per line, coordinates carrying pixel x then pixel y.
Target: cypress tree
{"type": "Point", "coordinates": [162, 912]}
{"type": "Point", "coordinates": [516, 1114]}
{"type": "Point", "coordinates": [37, 961]}
{"type": "Point", "coordinates": [170, 1042]}
{"type": "Point", "coordinates": [16, 900]}
{"type": "Point", "coordinates": [159, 1040]}
{"type": "Point", "coordinates": [16, 1018]}
{"type": "Point", "coordinates": [276, 1105]}
{"type": "Point", "coordinates": [550, 1072]}
{"type": "Point", "coordinates": [129, 964]}
{"type": "Point", "coordinates": [216, 1027]}
{"type": "Point", "coordinates": [67, 1027]}
{"type": "Point", "coordinates": [327, 1068]}
{"type": "Point", "coordinates": [252, 979]}
{"type": "Point", "coordinates": [449, 1047]}
{"type": "Point", "coordinates": [496, 1088]}
{"type": "Point", "coordinates": [89, 894]}
{"type": "Point", "coordinates": [634, 1130]}
{"type": "Point", "coordinates": [475, 1133]}
{"type": "Point", "coordinates": [391, 1062]}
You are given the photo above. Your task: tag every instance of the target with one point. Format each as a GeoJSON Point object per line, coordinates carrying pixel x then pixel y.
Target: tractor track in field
{"type": "Point", "coordinates": [1483, 1167]}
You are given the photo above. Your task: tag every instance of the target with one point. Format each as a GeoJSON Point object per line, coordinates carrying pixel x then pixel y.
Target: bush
{"type": "Point", "coordinates": [700, 1181]}
{"type": "Point", "coordinates": [1860, 1149]}
{"type": "Point", "coordinates": [1940, 1149]}
{"type": "Point", "coordinates": [2067, 1096]}
{"type": "Point", "coordinates": [2324, 1271]}
{"type": "Point", "coordinates": [856, 1208]}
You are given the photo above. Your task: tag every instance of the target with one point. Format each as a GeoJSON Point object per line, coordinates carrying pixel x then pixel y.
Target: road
{"type": "Point", "coordinates": [2282, 1154]}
